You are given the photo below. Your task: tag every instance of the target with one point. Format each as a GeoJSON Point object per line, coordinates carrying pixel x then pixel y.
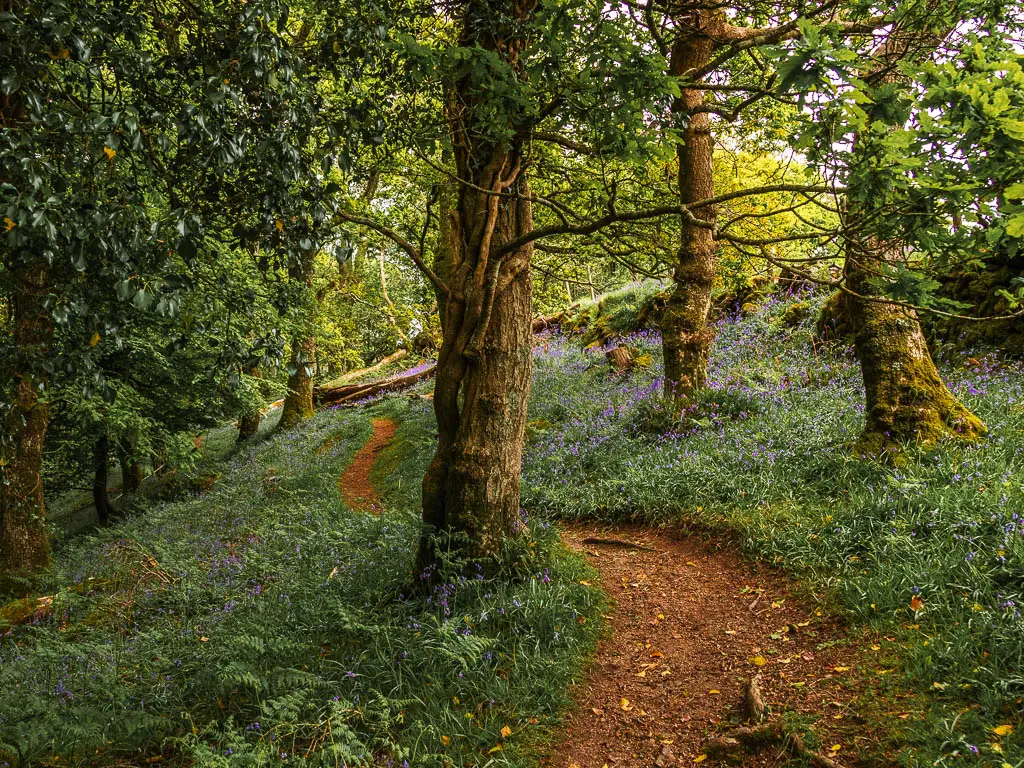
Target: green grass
{"type": "Point", "coordinates": [765, 455]}
{"type": "Point", "coordinates": [261, 622]}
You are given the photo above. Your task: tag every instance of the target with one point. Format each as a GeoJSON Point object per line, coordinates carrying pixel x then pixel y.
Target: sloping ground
{"type": "Point", "coordinates": [930, 553]}
{"type": "Point", "coordinates": [692, 623]}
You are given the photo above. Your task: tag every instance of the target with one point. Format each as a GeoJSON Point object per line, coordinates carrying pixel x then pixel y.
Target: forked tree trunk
{"type": "Point", "coordinates": [906, 399]}
{"type": "Point", "coordinates": [686, 333]}
{"type": "Point", "coordinates": [24, 542]}
{"type": "Point", "coordinates": [298, 402]}
{"type": "Point", "coordinates": [101, 479]}
{"type": "Point", "coordinates": [471, 488]}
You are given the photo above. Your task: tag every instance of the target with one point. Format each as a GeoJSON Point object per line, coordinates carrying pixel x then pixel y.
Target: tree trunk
{"type": "Point", "coordinates": [249, 423]}
{"type": "Point", "coordinates": [131, 471]}
{"type": "Point", "coordinates": [905, 398]}
{"type": "Point", "coordinates": [248, 426]}
{"type": "Point", "coordinates": [24, 541]}
{"type": "Point", "coordinates": [471, 488]}
{"type": "Point", "coordinates": [686, 333]}
{"type": "Point", "coordinates": [298, 403]}
{"type": "Point", "coordinates": [101, 479]}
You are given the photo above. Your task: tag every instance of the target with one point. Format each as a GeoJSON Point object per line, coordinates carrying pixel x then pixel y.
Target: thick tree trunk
{"type": "Point", "coordinates": [906, 400]}
{"type": "Point", "coordinates": [24, 542]}
{"type": "Point", "coordinates": [471, 488]}
{"type": "Point", "coordinates": [686, 333]}
{"type": "Point", "coordinates": [298, 403]}
{"type": "Point", "coordinates": [101, 479]}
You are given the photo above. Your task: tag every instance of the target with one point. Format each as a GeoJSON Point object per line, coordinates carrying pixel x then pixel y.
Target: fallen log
{"type": "Point", "coordinates": [351, 393]}
{"type": "Point", "coordinates": [394, 357]}
{"type": "Point", "coordinates": [551, 321]}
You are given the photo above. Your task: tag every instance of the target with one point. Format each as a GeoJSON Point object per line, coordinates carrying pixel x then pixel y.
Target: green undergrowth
{"type": "Point", "coordinates": [260, 622]}
{"type": "Point", "coordinates": [930, 554]}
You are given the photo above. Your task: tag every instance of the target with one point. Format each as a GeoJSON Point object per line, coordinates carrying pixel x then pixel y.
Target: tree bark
{"type": "Point", "coordinates": [298, 403]}
{"type": "Point", "coordinates": [131, 471]}
{"type": "Point", "coordinates": [471, 488]}
{"type": "Point", "coordinates": [249, 423]}
{"type": "Point", "coordinates": [24, 541]}
{"type": "Point", "coordinates": [906, 400]}
{"type": "Point", "coordinates": [248, 426]}
{"type": "Point", "coordinates": [101, 479]}
{"type": "Point", "coordinates": [686, 333]}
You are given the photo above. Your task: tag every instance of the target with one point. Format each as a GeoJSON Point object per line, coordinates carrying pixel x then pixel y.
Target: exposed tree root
{"type": "Point", "coordinates": [622, 544]}
{"type": "Point", "coordinates": [731, 746]}
{"type": "Point", "coordinates": [753, 702]}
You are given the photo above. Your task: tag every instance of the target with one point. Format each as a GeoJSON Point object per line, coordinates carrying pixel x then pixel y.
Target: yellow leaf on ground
{"type": "Point", "coordinates": [714, 690]}
{"type": "Point", "coordinates": [624, 703]}
{"type": "Point", "coordinates": [835, 747]}
{"type": "Point", "coordinates": [841, 669]}
{"type": "Point", "coordinates": [700, 758]}
{"type": "Point", "coordinates": [759, 661]}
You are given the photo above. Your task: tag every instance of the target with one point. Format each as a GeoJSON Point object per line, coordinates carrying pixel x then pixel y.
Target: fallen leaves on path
{"type": "Point", "coordinates": [684, 641]}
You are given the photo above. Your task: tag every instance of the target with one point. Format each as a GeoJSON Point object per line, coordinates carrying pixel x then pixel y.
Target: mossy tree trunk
{"type": "Point", "coordinates": [686, 333]}
{"type": "Point", "coordinates": [471, 488]}
{"type": "Point", "coordinates": [298, 402]}
{"type": "Point", "coordinates": [24, 541]}
{"type": "Point", "coordinates": [906, 400]}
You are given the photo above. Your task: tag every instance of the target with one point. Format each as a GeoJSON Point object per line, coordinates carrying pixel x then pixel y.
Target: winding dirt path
{"type": "Point", "coordinates": [692, 622]}
{"type": "Point", "coordinates": [354, 484]}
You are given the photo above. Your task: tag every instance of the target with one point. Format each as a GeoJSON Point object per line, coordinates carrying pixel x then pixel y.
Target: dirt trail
{"type": "Point", "coordinates": [692, 622]}
{"type": "Point", "coordinates": [354, 484]}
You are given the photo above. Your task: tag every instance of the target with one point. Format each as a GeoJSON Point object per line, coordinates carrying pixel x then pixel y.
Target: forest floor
{"type": "Point", "coordinates": [691, 622]}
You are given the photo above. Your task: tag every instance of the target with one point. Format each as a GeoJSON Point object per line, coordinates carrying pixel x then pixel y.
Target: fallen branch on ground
{"type": "Point", "coordinates": [392, 358]}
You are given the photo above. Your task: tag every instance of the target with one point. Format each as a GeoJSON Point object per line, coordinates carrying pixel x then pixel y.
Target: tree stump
{"type": "Point", "coordinates": [620, 357]}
